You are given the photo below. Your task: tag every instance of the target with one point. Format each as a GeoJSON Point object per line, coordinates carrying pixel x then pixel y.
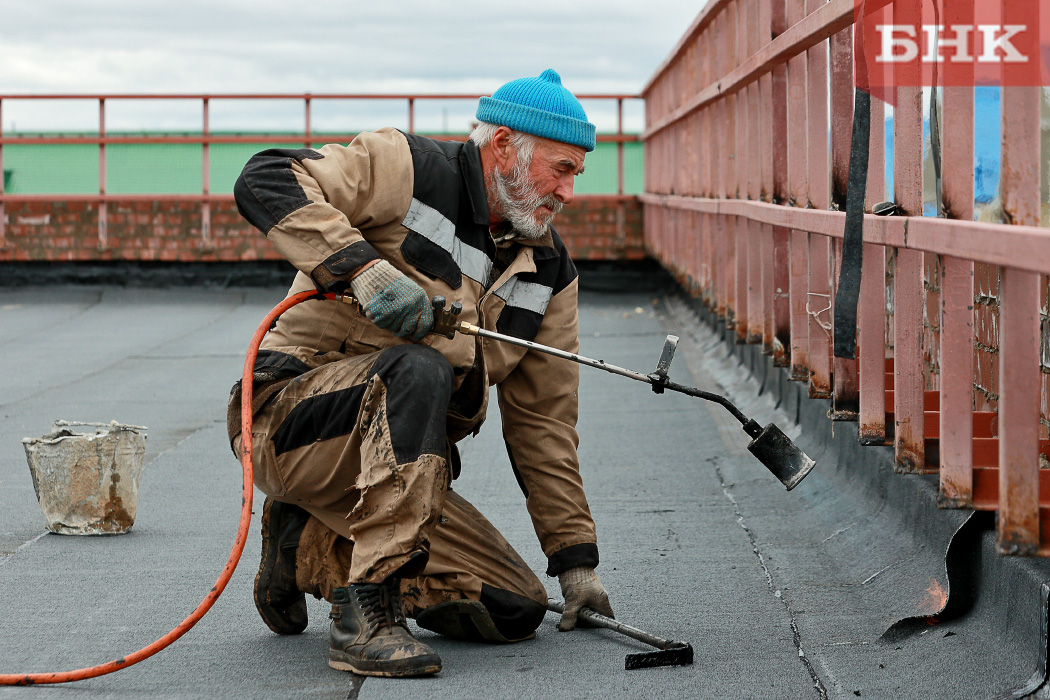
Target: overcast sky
{"type": "Point", "coordinates": [320, 46]}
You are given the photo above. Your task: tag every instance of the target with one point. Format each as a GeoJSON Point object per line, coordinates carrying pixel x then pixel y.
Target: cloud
{"type": "Point", "coordinates": [396, 46]}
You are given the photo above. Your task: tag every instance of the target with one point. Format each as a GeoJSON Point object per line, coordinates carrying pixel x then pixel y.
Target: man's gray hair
{"type": "Point", "coordinates": [524, 143]}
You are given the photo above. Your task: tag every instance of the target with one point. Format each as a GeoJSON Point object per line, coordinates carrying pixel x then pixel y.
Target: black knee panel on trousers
{"type": "Point", "coordinates": [514, 615]}
{"type": "Point", "coordinates": [418, 384]}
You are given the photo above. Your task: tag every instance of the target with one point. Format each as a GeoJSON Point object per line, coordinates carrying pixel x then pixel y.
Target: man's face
{"type": "Point", "coordinates": [530, 191]}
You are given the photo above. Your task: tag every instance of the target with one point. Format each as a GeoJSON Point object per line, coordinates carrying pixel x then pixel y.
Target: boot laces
{"type": "Point", "coordinates": [381, 606]}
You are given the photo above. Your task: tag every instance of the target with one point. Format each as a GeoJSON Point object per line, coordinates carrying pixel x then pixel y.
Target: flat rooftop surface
{"type": "Point", "coordinates": [783, 595]}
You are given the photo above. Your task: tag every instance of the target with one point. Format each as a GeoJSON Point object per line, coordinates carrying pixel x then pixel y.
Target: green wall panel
{"type": "Point", "coordinates": [599, 175]}
{"type": "Point", "coordinates": [153, 168]}
{"type": "Point", "coordinates": [177, 168]}
{"type": "Point", "coordinates": [57, 169]}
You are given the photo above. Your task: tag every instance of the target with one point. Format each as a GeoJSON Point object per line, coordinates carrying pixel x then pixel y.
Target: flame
{"type": "Point", "coordinates": [936, 598]}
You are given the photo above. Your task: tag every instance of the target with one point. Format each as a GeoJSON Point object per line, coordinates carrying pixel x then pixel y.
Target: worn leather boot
{"type": "Point", "coordinates": [279, 601]}
{"type": "Point", "coordinates": [370, 636]}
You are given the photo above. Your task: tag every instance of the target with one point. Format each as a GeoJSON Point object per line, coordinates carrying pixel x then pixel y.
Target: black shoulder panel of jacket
{"type": "Point", "coordinates": [266, 190]}
{"type": "Point", "coordinates": [561, 271]}
{"type": "Point", "coordinates": [438, 179]}
{"type": "Point", "coordinates": [448, 179]}
{"type": "Point", "coordinates": [554, 269]}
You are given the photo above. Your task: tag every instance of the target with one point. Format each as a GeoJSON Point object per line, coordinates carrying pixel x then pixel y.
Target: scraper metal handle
{"type": "Point", "coordinates": [608, 623]}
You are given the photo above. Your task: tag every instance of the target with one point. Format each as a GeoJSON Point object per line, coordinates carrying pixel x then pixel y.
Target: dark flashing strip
{"type": "Point", "coordinates": [275, 273]}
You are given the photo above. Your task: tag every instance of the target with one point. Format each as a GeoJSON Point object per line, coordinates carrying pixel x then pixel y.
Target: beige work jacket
{"type": "Point", "coordinates": [420, 204]}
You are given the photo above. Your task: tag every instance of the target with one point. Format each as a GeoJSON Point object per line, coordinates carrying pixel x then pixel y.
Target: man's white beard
{"type": "Point", "coordinates": [518, 203]}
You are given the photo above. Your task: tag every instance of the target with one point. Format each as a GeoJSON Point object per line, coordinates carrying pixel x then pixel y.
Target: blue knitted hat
{"type": "Point", "coordinates": [539, 106]}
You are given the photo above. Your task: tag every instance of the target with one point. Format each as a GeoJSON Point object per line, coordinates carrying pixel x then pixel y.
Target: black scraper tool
{"type": "Point", "coordinates": [668, 653]}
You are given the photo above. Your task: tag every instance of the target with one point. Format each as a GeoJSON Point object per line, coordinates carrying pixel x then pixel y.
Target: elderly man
{"type": "Point", "coordinates": [358, 408]}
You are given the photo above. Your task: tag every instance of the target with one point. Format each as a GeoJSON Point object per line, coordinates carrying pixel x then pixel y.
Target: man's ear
{"type": "Point", "coordinates": [503, 151]}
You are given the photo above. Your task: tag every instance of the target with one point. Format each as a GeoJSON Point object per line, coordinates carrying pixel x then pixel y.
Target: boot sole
{"type": "Point", "coordinates": [271, 616]}
{"type": "Point", "coordinates": [364, 668]}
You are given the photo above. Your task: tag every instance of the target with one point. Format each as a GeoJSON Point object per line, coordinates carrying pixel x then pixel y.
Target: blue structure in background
{"type": "Point", "coordinates": [987, 144]}
{"type": "Point", "coordinates": [986, 153]}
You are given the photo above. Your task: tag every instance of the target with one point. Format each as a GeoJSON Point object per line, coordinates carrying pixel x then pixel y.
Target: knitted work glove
{"type": "Point", "coordinates": [581, 588]}
{"type": "Point", "coordinates": [393, 301]}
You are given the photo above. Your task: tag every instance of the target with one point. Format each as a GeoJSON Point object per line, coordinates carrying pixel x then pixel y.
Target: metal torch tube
{"type": "Point", "coordinates": [471, 329]}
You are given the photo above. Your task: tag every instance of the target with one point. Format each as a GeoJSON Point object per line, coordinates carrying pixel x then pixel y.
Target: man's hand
{"type": "Point", "coordinates": [582, 588]}
{"type": "Point", "coordinates": [393, 301]}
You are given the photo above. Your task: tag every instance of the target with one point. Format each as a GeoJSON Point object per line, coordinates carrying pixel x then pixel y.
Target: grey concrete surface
{"type": "Point", "coordinates": [782, 595]}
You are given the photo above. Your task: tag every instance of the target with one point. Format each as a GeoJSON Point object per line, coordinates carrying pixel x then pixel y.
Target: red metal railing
{"type": "Point", "coordinates": [307, 137]}
{"type": "Point", "coordinates": [744, 201]}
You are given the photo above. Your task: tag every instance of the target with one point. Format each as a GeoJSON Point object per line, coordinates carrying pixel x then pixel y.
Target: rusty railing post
{"type": "Point", "coordinates": [908, 384]}
{"type": "Point", "coordinates": [1019, 337]}
{"type": "Point", "coordinates": [798, 196]}
{"type": "Point", "coordinates": [871, 309]}
{"type": "Point", "coordinates": [818, 300]}
{"type": "Point", "coordinates": [956, 274]}
{"type": "Point", "coordinates": [778, 114]}
{"type": "Point", "coordinates": [102, 223]}
{"type": "Point", "coordinates": [3, 208]}
{"type": "Point", "coordinates": [205, 174]}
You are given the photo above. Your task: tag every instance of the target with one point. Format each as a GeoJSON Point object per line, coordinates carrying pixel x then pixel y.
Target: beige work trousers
{"type": "Point", "coordinates": [343, 442]}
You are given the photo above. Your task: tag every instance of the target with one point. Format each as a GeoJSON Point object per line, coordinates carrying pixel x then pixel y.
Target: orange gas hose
{"type": "Point", "coordinates": [238, 545]}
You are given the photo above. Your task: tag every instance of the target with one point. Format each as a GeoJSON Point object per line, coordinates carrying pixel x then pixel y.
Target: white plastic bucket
{"type": "Point", "coordinates": [88, 484]}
